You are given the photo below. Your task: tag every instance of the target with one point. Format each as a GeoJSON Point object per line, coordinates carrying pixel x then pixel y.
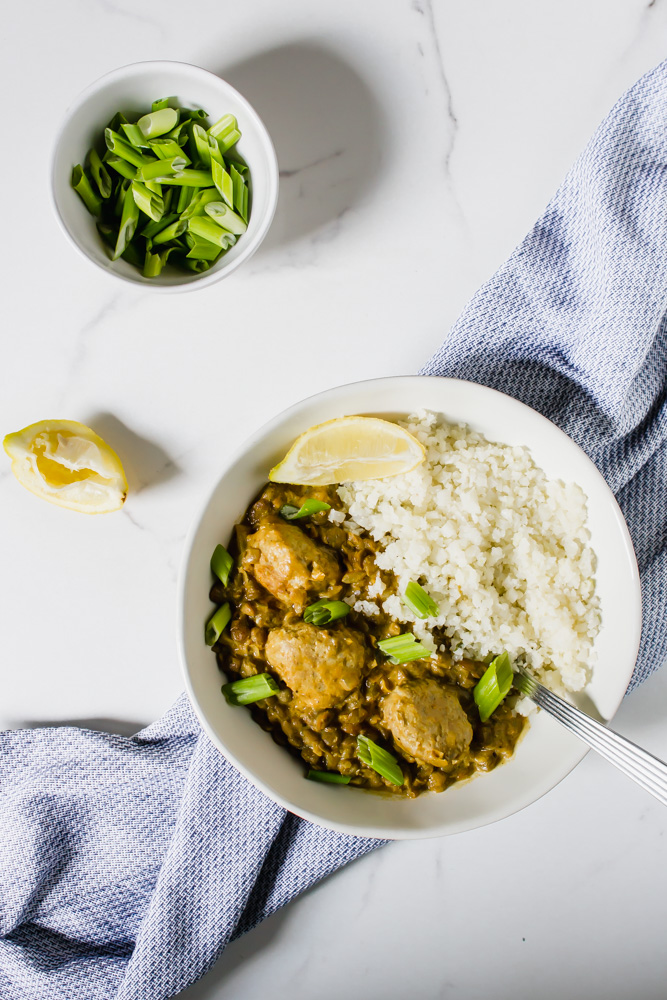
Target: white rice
{"type": "Point", "coordinates": [502, 550]}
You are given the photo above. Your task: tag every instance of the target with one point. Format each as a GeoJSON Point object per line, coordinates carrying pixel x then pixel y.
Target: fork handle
{"type": "Point", "coordinates": [648, 771]}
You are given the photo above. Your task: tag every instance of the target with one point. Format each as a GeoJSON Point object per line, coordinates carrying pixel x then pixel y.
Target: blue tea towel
{"type": "Point", "coordinates": [127, 865]}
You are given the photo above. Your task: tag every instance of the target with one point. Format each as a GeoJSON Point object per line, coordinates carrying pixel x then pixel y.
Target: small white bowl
{"type": "Point", "coordinates": [132, 89]}
{"type": "Point", "coordinates": [547, 753]}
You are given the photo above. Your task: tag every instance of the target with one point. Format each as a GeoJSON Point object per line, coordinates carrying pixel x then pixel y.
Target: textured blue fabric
{"type": "Point", "coordinates": [127, 865]}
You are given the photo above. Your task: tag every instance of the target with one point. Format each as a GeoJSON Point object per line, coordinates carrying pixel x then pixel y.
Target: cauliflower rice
{"type": "Point", "coordinates": [503, 550]}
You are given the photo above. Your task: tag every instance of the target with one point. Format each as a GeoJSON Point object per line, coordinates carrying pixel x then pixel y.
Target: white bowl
{"type": "Point", "coordinates": [547, 753]}
{"type": "Point", "coordinates": [132, 89]}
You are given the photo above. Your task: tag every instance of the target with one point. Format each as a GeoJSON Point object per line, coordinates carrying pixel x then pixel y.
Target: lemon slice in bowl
{"type": "Point", "coordinates": [66, 463]}
{"type": "Point", "coordinates": [348, 448]}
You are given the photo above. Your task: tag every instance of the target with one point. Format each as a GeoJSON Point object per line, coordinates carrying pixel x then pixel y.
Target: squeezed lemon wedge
{"type": "Point", "coordinates": [68, 464]}
{"type": "Point", "coordinates": [349, 448]}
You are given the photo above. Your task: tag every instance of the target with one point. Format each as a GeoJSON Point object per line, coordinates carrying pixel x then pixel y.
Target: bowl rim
{"type": "Point", "coordinates": [520, 800]}
{"type": "Point", "coordinates": [184, 69]}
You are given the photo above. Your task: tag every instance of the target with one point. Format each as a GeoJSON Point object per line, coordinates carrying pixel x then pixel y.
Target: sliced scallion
{"type": "Point", "coordinates": [162, 168]}
{"type": "Point", "coordinates": [324, 612]}
{"type": "Point", "coordinates": [380, 760]}
{"type": "Point", "coordinates": [329, 777]}
{"type": "Point", "coordinates": [201, 249]}
{"type": "Point", "coordinates": [208, 230]}
{"type": "Point", "coordinates": [403, 648]}
{"type": "Point", "coordinates": [221, 564]}
{"type": "Point", "coordinates": [419, 601]}
{"type": "Point", "coordinates": [170, 232]}
{"type": "Point", "coordinates": [84, 189]}
{"type": "Point", "coordinates": [135, 136]}
{"type": "Point", "coordinates": [145, 171]}
{"type": "Point", "coordinates": [128, 223]}
{"type": "Point", "coordinates": [121, 167]}
{"type": "Point", "coordinates": [250, 689]}
{"type": "Point", "coordinates": [190, 178]}
{"type": "Point", "coordinates": [308, 507]}
{"type": "Point", "coordinates": [226, 217]}
{"type": "Point", "coordinates": [158, 122]}
{"type": "Point", "coordinates": [150, 204]}
{"type": "Point", "coordinates": [100, 174]}
{"type": "Point", "coordinates": [493, 686]}
{"type": "Point", "coordinates": [223, 182]}
{"type": "Point", "coordinates": [217, 624]}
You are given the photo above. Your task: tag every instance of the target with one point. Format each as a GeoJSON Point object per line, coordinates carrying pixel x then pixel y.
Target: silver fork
{"type": "Point", "coordinates": [648, 771]}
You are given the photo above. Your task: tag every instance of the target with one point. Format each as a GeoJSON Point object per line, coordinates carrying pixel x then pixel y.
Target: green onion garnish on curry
{"type": "Point", "coordinates": [494, 686]}
{"type": "Point", "coordinates": [403, 648]}
{"type": "Point", "coordinates": [380, 760]}
{"type": "Point", "coordinates": [250, 689]}
{"type": "Point", "coordinates": [419, 601]}
{"type": "Point", "coordinates": [144, 182]}
{"type": "Point", "coordinates": [328, 777]}
{"type": "Point", "coordinates": [324, 612]}
{"type": "Point", "coordinates": [308, 507]}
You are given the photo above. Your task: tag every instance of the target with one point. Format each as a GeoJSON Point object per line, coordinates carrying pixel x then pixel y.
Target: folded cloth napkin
{"type": "Point", "coordinates": [127, 865]}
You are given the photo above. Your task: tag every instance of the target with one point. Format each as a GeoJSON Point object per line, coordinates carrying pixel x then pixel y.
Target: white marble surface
{"type": "Point", "coordinates": [417, 142]}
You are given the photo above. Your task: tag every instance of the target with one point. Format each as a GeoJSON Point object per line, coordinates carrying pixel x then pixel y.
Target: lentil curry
{"type": "Point", "coordinates": [335, 683]}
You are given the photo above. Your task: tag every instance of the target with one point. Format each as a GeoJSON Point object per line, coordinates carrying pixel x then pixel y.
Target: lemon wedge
{"type": "Point", "coordinates": [348, 448]}
{"type": "Point", "coordinates": [66, 463]}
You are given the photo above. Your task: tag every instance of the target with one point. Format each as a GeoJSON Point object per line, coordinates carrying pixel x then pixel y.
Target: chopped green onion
{"type": "Point", "coordinates": [146, 171]}
{"type": "Point", "coordinates": [226, 132]}
{"type": "Point", "coordinates": [84, 189]}
{"type": "Point", "coordinates": [207, 230]}
{"type": "Point", "coordinates": [199, 201]}
{"type": "Point", "coordinates": [158, 122]}
{"type": "Point", "coordinates": [154, 262]}
{"type": "Point", "coordinates": [324, 612]}
{"type": "Point", "coordinates": [121, 167]}
{"type": "Point", "coordinates": [149, 203]}
{"type": "Point", "coordinates": [117, 120]}
{"type": "Point", "coordinates": [419, 601]}
{"type": "Point", "coordinates": [308, 507]}
{"type": "Point", "coordinates": [225, 217]}
{"type": "Point", "coordinates": [162, 168]}
{"type": "Point", "coordinates": [191, 178]}
{"type": "Point", "coordinates": [217, 623]}
{"type": "Point", "coordinates": [250, 689]}
{"type": "Point", "coordinates": [100, 173]}
{"type": "Point", "coordinates": [165, 149]}
{"type": "Point", "coordinates": [196, 265]}
{"type": "Point", "coordinates": [128, 223]}
{"type": "Point", "coordinates": [151, 229]}
{"type": "Point", "coordinates": [135, 136]}
{"type": "Point", "coordinates": [123, 149]}
{"type": "Point", "coordinates": [201, 249]}
{"type": "Point", "coordinates": [380, 760]}
{"type": "Point", "coordinates": [223, 181]}
{"type": "Point", "coordinates": [240, 192]}
{"type": "Point", "coordinates": [171, 232]}
{"type": "Point", "coordinates": [185, 196]}
{"type": "Point", "coordinates": [403, 648]}
{"type": "Point", "coordinates": [329, 777]}
{"type": "Point", "coordinates": [200, 139]}
{"type": "Point", "coordinates": [221, 564]}
{"type": "Point", "coordinates": [493, 686]}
